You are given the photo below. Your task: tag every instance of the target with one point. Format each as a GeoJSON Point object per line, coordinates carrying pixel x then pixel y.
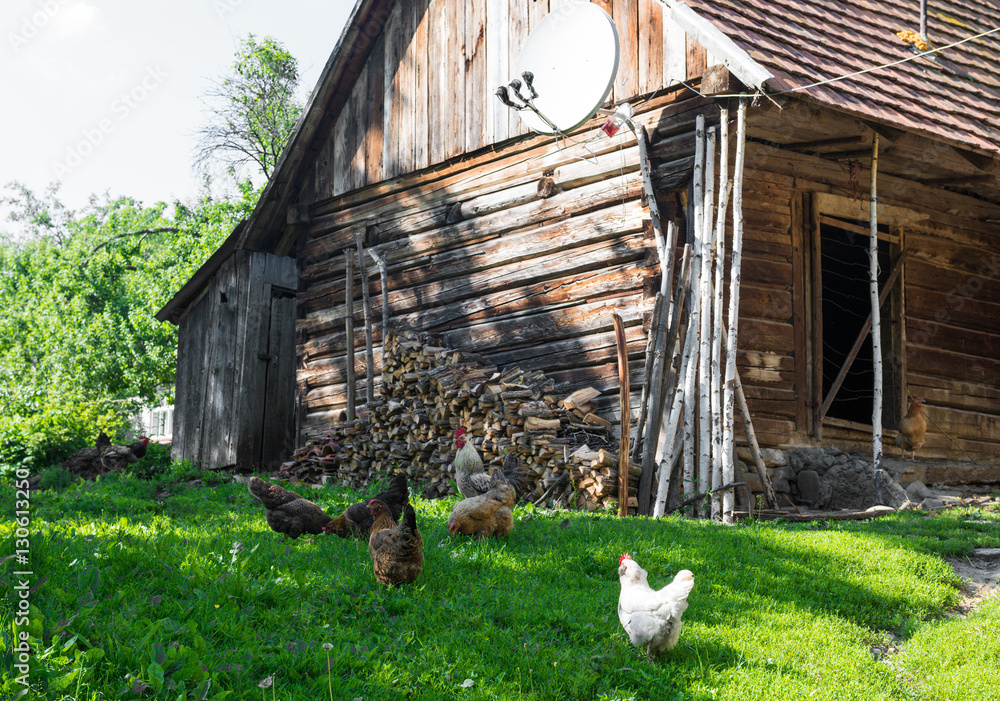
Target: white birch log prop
{"type": "Point", "coordinates": [729, 459]}
{"type": "Point", "coordinates": [705, 334]}
{"type": "Point", "coordinates": [718, 265]}
{"type": "Point", "coordinates": [349, 328]}
{"type": "Point", "coordinates": [876, 328]}
{"type": "Point", "coordinates": [694, 318]}
{"type": "Point", "coordinates": [366, 303]}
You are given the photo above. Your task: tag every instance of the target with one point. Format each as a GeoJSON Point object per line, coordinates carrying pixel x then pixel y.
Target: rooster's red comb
{"type": "Point", "coordinates": [460, 431]}
{"type": "Point", "coordinates": [624, 557]}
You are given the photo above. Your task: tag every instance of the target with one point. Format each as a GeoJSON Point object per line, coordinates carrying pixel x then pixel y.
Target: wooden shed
{"type": "Point", "coordinates": [520, 247]}
{"type": "Point", "coordinates": [235, 383]}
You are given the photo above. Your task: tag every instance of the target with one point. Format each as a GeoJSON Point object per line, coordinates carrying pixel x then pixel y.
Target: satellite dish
{"type": "Point", "coordinates": [571, 60]}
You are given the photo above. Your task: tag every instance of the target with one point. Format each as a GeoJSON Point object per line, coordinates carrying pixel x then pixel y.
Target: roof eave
{"type": "Point", "coordinates": [173, 310]}
{"type": "Point", "coordinates": [739, 62]}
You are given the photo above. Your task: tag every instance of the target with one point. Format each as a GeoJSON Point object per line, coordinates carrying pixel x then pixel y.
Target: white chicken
{"type": "Point", "coordinates": [650, 617]}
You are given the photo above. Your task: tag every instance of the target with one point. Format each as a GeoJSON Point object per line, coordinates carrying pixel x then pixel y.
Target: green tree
{"type": "Point", "coordinates": [79, 343]}
{"type": "Point", "coordinates": [252, 110]}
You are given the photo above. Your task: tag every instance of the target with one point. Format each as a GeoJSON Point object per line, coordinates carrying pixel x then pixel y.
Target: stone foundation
{"type": "Point", "coordinates": [824, 479]}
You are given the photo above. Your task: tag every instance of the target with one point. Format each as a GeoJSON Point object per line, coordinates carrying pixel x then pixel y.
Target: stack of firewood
{"type": "Point", "coordinates": [428, 391]}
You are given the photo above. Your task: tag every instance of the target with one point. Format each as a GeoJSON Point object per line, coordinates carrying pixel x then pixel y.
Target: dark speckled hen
{"type": "Point", "coordinates": [287, 512]}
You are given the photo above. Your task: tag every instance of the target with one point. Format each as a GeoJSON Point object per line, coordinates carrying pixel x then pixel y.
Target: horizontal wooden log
{"type": "Point", "coordinates": [599, 240]}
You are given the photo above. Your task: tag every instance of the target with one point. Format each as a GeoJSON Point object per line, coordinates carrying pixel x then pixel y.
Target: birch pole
{"type": "Point", "coordinates": [719, 263]}
{"type": "Point", "coordinates": [694, 318]}
{"type": "Point", "coordinates": [367, 306]}
{"type": "Point", "coordinates": [349, 329]}
{"type": "Point", "coordinates": [705, 335]}
{"type": "Point", "coordinates": [729, 461]}
{"type": "Point", "coordinates": [876, 328]}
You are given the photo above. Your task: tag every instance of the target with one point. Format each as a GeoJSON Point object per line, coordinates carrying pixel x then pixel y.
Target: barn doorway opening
{"type": "Point", "coordinates": [846, 310]}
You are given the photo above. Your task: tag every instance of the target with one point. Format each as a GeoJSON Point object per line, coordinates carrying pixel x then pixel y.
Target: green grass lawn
{"type": "Point", "coordinates": [160, 589]}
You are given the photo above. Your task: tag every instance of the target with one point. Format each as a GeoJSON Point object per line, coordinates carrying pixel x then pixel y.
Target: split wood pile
{"type": "Point", "coordinates": [429, 390]}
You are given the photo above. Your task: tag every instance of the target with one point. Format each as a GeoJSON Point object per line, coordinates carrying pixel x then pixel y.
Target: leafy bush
{"type": "Point", "coordinates": [155, 462]}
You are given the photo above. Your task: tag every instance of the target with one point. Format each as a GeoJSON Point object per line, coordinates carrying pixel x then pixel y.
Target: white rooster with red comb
{"type": "Point", "coordinates": [651, 617]}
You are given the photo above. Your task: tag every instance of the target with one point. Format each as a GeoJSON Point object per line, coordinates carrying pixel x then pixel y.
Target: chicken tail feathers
{"type": "Point", "coordinates": [682, 585]}
{"type": "Point", "coordinates": [515, 474]}
{"type": "Point", "coordinates": [409, 520]}
{"type": "Point", "coordinates": [398, 492]}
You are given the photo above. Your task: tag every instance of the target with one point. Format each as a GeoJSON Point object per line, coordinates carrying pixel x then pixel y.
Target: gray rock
{"type": "Point", "coordinates": [894, 495]}
{"type": "Point", "coordinates": [780, 485]}
{"type": "Point", "coordinates": [808, 481]}
{"type": "Point", "coordinates": [753, 481]}
{"type": "Point", "coordinates": [931, 503]}
{"type": "Point", "coordinates": [783, 472]}
{"type": "Point", "coordinates": [917, 491]}
{"type": "Point", "coordinates": [773, 458]}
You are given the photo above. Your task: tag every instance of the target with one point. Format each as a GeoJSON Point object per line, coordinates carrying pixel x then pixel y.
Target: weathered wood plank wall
{"type": "Point", "coordinates": [436, 65]}
{"type": "Point", "coordinates": [235, 368]}
{"type": "Point", "coordinates": [521, 254]}
{"type": "Point", "coordinates": [951, 303]}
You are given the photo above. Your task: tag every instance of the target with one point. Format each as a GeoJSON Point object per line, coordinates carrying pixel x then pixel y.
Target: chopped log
{"type": "Point", "coordinates": [534, 423]}
{"type": "Point", "coordinates": [579, 397]}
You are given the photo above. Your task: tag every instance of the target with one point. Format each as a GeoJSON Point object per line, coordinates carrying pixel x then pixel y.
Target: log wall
{"type": "Point", "coordinates": [951, 304]}
{"type": "Point", "coordinates": [521, 255]}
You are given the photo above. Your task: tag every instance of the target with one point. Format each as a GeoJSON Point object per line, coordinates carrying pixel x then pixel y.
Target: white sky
{"type": "Point", "coordinates": [104, 95]}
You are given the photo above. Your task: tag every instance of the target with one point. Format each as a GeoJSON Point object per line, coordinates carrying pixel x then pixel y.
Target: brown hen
{"type": "Point", "coordinates": [287, 512]}
{"type": "Point", "coordinates": [356, 520]}
{"type": "Point", "coordinates": [912, 429]}
{"type": "Point", "coordinates": [488, 514]}
{"type": "Point", "coordinates": [396, 549]}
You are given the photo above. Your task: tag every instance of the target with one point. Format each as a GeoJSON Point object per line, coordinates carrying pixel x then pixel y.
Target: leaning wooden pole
{"type": "Point", "coordinates": [640, 425]}
{"type": "Point", "coordinates": [729, 452]}
{"type": "Point", "coordinates": [876, 328]}
{"type": "Point", "coordinates": [626, 415]}
{"type": "Point", "coordinates": [349, 328]}
{"type": "Point", "coordinates": [367, 306]}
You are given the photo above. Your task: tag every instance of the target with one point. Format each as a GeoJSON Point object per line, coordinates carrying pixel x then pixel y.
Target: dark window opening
{"type": "Point", "coordinates": [846, 308]}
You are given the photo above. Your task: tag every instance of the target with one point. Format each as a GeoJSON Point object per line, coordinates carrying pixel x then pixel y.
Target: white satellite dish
{"type": "Point", "coordinates": [571, 58]}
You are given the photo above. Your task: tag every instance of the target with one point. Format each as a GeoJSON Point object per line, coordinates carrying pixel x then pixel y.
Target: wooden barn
{"type": "Point", "coordinates": [520, 247]}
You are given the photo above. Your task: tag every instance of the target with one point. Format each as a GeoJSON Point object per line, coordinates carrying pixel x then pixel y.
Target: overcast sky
{"type": "Point", "coordinates": [103, 95]}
